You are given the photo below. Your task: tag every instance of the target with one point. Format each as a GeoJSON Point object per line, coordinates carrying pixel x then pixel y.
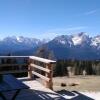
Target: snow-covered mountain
{"type": "Point", "coordinates": [63, 40]}
{"type": "Point", "coordinates": [95, 42]}
{"type": "Point", "coordinates": [21, 40]}
{"type": "Point", "coordinates": [80, 39]}
{"type": "Point", "coordinates": [13, 44]}
{"type": "Point", "coordinates": [77, 46]}
{"type": "Point", "coordinates": [72, 40]}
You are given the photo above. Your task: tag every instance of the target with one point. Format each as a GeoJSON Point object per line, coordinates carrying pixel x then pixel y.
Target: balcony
{"type": "Point", "coordinates": [32, 66]}
{"type": "Point", "coordinates": [29, 70]}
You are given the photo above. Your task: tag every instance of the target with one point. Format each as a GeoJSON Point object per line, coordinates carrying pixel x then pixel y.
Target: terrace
{"type": "Point", "coordinates": [36, 68]}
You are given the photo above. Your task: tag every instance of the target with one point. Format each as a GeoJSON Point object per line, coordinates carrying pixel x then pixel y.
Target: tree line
{"type": "Point", "coordinates": [77, 67]}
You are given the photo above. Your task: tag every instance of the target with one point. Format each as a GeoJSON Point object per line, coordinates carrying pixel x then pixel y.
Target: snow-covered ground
{"type": "Point", "coordinates": [94, 95]}
{"type": "Point", "coordinates": [80, 95]}
{"type": "Point", "coordinates": [40, 89]}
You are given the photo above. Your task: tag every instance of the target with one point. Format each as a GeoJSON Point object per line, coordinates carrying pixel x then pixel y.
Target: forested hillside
{"type": "Point", "coordinates": [77, 67]}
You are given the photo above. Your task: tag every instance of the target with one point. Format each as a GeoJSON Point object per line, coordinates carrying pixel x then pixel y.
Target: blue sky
{"type": "Point", "coordinates": [48, 18]}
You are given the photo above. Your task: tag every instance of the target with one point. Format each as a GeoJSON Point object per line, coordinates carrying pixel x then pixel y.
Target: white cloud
{"type": "Point", "coordinates": [91, 12]}
{"type": "Point", "coordinates": [45, 35]}
{"type": "Point", "coordinates": [86, 13]}
{"type": "Point", "coordinates": [68, 29]}
{"type": "Point", "coordinates": [50, 34]}
{"type": "Point", "coordinates": [75, 28]}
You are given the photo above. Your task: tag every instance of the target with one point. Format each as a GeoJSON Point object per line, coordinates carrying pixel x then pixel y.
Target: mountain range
{"type": "Point", "coordinates": [18, 45]}
{"type": "Point", "coordinates": [76, 46]}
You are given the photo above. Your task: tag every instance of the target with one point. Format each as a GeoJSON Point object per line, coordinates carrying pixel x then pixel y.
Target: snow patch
{"type": "Point", "coordinates": [19, 39]}
{"type": "Point", "coordinates": [77, 40]}
{"type": "Point", "coordinates": [94, 95]}
{"type": "Point", "coordinates": [62, 42]}
{"type": "Point", "coordinates": [95, 41]}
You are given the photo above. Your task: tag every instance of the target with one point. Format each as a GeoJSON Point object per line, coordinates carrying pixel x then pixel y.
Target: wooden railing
{"type": "Point", "coordinates": [33, 64]}
{"type": "Point", "coordinates": [7, 64]}
{"type": "Point", "coordinates": [47, 69]}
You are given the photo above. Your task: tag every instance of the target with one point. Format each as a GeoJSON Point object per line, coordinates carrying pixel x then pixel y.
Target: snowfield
{"type": "Point", "coordinates": [93, 95]}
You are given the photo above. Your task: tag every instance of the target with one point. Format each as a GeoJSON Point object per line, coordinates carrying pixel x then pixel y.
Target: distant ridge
{"type": "Point", "coordinates": [17, 44]}
{"type": "Point", "coordinates": [77, 46]}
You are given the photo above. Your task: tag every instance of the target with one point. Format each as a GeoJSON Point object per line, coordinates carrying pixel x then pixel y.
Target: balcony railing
{"type": "Point", "coordinates": [33, 65]}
